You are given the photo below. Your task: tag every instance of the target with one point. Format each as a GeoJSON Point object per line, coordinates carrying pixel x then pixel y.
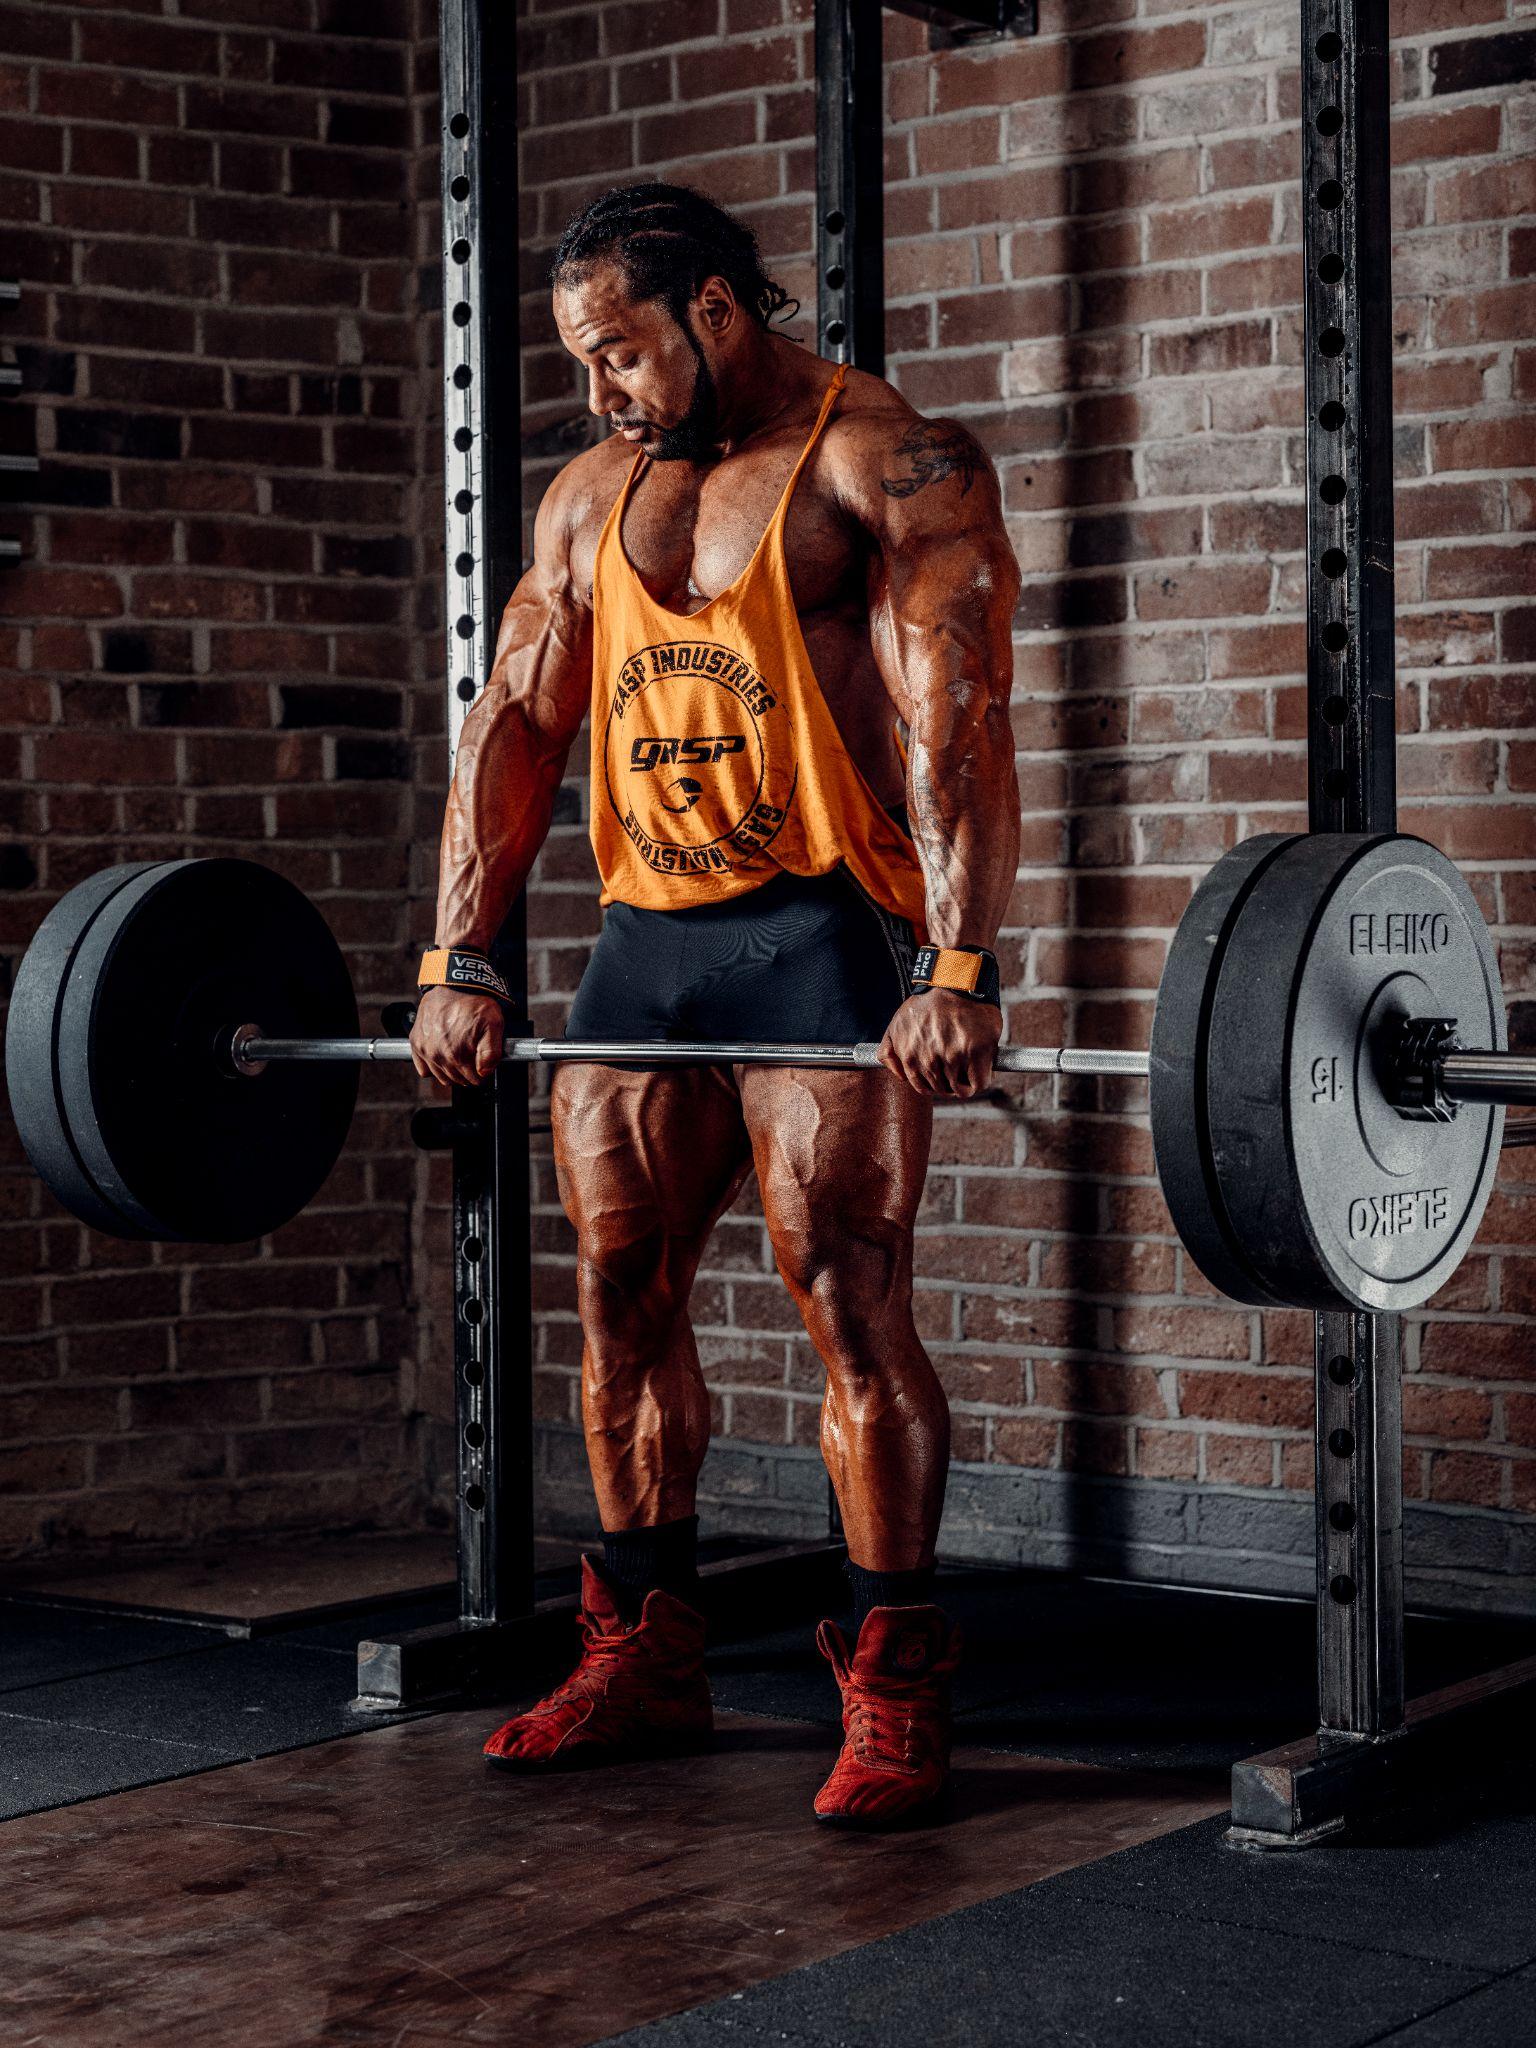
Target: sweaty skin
{"type": "Point", "coordinates": [905, 587]}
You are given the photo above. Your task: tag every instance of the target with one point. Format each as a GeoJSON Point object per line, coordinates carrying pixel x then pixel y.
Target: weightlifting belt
{"type": "Point", "coordinates": [964, 970]}
{"type": "Point", "coordinates": [453, 967]}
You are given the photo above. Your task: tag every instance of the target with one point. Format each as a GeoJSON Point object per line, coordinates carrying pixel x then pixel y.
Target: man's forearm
{"type": "Point", "coordinates": [963, 804]}
{"type": "Point", "coordinates": [499, 809]}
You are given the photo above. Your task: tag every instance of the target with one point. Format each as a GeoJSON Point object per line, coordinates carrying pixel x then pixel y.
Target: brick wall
{"type": "Point", "coordinates": [1094, 259]}
{"type": "Point", "coordinates": [215, 645]}
{"type": "Point", "coordinates": [225, 640]}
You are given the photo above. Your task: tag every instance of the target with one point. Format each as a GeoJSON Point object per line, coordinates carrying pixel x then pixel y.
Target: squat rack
{"type": "Point", "coordinates": [1367, 1732]}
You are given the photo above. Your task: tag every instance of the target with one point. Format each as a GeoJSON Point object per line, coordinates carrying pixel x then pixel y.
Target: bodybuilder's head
{"type": "Point", "coordinates": [658, 291]}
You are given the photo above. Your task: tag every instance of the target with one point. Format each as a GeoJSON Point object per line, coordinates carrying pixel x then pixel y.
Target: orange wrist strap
{"type": "Point", "coordinates": [452, 967]}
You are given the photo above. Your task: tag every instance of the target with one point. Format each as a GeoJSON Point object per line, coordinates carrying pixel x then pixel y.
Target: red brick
{"type": "Point", "coordinates": [1239, 1460]}
{"type": "Point", "coordinates": [1167, 1454]}
{"type": "Point", "coordinates": [1268, 1400]}
{"type": "Point", "coordinates": [1024, 1440]}
{"type": "Point", "coordinates": [1435, 1411]}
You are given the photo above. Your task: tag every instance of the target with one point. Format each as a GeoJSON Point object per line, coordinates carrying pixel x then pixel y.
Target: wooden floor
{"type": "Point", "coordinates": [255, 1585]}
{"type": "Point", "coordinates": [388, 1888]}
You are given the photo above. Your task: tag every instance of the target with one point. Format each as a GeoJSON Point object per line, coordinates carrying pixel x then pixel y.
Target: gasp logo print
{"type": "Point", "coordinates": [648, 753]}
{"type": "Point", "coordinates": [697, 706]}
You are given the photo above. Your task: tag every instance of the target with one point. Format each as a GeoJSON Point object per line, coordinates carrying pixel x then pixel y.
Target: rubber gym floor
{"type": "Point", "coordinates": [205, 1842]}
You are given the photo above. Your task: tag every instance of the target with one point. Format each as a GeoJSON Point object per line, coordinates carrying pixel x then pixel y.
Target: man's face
{"type": "Point", "coordinates": [646, 373]}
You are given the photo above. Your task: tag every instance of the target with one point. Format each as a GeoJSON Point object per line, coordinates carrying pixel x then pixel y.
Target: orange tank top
{"type": "Point", "coordinates": [715, 761]}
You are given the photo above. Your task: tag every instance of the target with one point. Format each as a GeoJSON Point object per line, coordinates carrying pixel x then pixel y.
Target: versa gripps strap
{"type": "Point", "coordinates": [453, 967]}
{"type": "Point", "coordinates": [969, 971]}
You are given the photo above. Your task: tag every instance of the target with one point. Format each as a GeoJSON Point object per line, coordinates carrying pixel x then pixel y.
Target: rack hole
{"type": "Point", "coordinates": [465, 628]}
{"type": "Point", "coordinates": [463, 377]}
{"type": "Point", "coordinates": [1341, 1370]}
{"type": "Point", "coordinates": [1331, 416]}
{"type": "Point", "coordinates": [1331, 341]}
{"type": "Point", "coordinates": [835, 277]}
{"type": "Point", "coordinates": [459, 189]}
{"type": "Point", "coordinates": [474, 1435]}
{"type": "Point", "coordinates": [466, 690]}
{"type": "Point", "coordinates": [1331, 269]}
{"type": "Point", "coordinates": [474, 1374]}
{"type": "Point", "coordinates": [458, 127]}
{"type": "Point", "coordinates": [474, 1498]}
{"type": "Point", "coordinates": [1335, 638]}
{"type": "Point", "coordinates": [463, 313]}
{"type": "Point", "coordinates": [1332, 490]}
{"type": "Point", "coordinates": [1330, 194]}
{"type": "Point", "coordinates": [1341, 1442]}
{"type": "Point", "coordinates": [473, 1248]}
{"type": "Point", "coordinates": [460, 251]}
{"type": "Point", "coordinates": [1330, 47]}
{"type": "Point", "coordinates": [1329, 121]}
{"type": "Point", "coordinates": [835, 331]}
{"type": "Point", "coordinates": [463, 501]}
{"type": "Point", "coordinates": [464, 564]}
{"type": "Point", "coordinates": [1342, 1587]}
{"type": "Point", "coordinates": [1341, 1515]}
{"type": "Point", "coordinates": [473, 1311]}
{"type": "Point", "coordinates": [833, 222]}
{"type": "Point", "coordinates": [1335, 710]}
{"type": "Point", "coordinates": [1334, 562]}
{"type": "Point", "coordinates": [463, 439]}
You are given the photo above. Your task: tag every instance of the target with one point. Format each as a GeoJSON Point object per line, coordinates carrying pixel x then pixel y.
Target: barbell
{"type": "Point", "coordinates": [1327, 1066]}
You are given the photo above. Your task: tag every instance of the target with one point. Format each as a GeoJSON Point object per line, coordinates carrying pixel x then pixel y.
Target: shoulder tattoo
{"type": "Point", "coordinates": [933, 450]}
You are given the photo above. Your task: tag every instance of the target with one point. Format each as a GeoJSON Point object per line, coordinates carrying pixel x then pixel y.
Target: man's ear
{"type": "Point", "coordinates": [717, 307]}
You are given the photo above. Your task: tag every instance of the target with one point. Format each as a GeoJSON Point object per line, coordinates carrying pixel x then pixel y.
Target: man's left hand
{"type": "Point", "coordinates": [942, 1044]}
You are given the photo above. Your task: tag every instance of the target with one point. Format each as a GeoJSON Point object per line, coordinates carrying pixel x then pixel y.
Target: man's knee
{"type": "Point", "coordinates": [626, 1293]}
{"type": "Point", "coordinates": [851, 1278]}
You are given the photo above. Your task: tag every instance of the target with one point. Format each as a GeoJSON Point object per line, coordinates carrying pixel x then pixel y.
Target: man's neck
{"type": "Point", "coordinates": [768, 378]}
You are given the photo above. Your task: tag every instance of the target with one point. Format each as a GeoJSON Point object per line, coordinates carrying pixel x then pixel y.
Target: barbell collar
{"type": "Point", "coordinates": [253, 1052]}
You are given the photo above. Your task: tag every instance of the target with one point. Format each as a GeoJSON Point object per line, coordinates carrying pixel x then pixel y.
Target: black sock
{"type": "Point", "coordinates": [888, 1589]}
{"type": "Point", "coordinates": [637, 1561]}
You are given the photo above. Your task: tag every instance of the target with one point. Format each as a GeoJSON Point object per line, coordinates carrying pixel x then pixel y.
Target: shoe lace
{"type": "Point", "coordinates": [881, 1721]}
{"type": "Point", "coordinates": [603, 1657]}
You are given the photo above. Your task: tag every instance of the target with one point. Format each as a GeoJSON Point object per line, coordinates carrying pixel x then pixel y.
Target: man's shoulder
{"type": "Point", "coordinates": [881, 445]}
{"type": "Point", "coordinates": [581, 494]}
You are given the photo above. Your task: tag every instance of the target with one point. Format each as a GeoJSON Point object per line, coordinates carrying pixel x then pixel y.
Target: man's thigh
{"type": "Point", "coordinates": [841, 1156]}
{"type": "Point", "coordinates": [646, 1161]}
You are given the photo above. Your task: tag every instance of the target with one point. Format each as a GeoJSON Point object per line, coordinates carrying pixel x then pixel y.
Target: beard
{"type": "Point", "coordinates": [693, 438]}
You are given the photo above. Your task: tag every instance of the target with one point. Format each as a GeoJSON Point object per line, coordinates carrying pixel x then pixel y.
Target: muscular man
{"type": "Point", "coordinates": [784, 599]}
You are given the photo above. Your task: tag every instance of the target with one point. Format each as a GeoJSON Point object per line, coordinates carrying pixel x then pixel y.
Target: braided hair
{"type": "Point", "coordinates": [667, 239]}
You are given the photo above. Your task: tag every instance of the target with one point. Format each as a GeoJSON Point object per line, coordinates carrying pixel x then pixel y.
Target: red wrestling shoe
{"type": "Point", "coordinates": [639, 1689]}
{"type": "Point", "coordinates": [894, 1763]}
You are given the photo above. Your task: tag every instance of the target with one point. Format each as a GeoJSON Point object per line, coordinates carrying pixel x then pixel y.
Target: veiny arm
{"type": "Point", "coordinates": [511, 757]}
{"type": "Point", "coordinates": [943, 586]}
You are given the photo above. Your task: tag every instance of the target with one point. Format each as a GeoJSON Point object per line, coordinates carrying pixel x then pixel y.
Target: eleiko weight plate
{"type": "Point", "coordinates": [1337, 1199]}
{"type": "Point", "coordinates": [1180, 1039]}
{"type": "Point", "coordinates": [169, 967]}
{"type": "Point", "coordinates": [31, 1042]}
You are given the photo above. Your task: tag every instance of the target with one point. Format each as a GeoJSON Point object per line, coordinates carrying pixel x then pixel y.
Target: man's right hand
{"type": "Point", "coordinates": [457, 1037]}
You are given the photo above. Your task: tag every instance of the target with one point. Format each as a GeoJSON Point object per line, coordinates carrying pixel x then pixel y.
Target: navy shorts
{"type": "Point", "coordinates": [800, 960]}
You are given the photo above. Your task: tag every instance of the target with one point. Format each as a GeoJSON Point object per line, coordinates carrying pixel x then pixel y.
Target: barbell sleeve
{"type": "Point", "coordinates": [252, 1051]}
{"type": "Point", "coordinates": [1508, 1077]}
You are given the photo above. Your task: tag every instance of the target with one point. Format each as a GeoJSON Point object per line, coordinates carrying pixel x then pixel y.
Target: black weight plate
{"type": "Point", "coordinates": [1180, 1036]}
{"type": "Point", "coordinates": [1339, 1201]}
{"type": "Point", "coordinates": [171, 965]}
{"type": "Point", "coordinates": [31, 1070]}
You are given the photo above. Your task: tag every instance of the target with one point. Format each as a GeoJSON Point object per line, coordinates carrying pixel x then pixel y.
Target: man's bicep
{"type": "Point", "coordinates": [943, 607]}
